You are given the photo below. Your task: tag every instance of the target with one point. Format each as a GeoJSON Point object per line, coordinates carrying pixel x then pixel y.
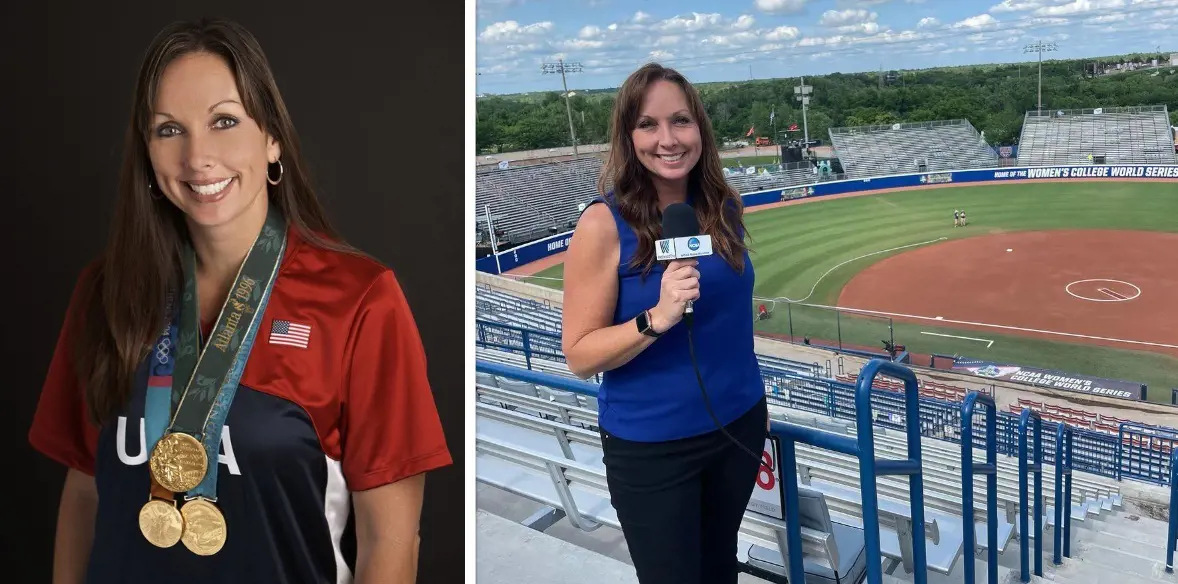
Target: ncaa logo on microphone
{"type": "Point", "coordinates": [693, 244]}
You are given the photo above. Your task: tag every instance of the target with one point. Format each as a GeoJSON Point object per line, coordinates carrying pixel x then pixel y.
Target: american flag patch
{"type": "Point", "coordinates": [285, 332]}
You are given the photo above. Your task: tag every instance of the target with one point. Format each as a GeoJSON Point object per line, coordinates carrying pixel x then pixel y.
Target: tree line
{"type": "Point", "coordinates": [994, 98]}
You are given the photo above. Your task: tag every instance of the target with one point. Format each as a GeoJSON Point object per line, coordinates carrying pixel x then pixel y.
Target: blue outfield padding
{"type": "Point", "coordinates": [540, 249]}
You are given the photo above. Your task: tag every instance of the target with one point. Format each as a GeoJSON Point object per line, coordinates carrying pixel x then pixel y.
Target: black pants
{"type": "Point", "coordinates": [681, 502]}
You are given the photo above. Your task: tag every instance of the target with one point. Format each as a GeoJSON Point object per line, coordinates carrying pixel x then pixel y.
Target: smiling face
{"type": "Point", "coordinates": [666, 136]}
{"type": "Point", "coordinates": [209, 157]}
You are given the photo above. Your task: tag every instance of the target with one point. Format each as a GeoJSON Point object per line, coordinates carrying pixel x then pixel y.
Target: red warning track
{"type": "Point", "coordinates": [1095, 283]}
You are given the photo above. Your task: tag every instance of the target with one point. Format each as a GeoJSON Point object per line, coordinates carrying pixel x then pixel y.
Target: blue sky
{"type": "Point", "coordinates": [718, 41]}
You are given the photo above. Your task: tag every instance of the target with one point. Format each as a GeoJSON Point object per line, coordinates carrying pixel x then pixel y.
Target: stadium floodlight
{"type": "Point", "coordinates": [803, 92]}
{"type": "Point", "coordinates": [561, 67]}
{"type": "Point", "coordinates": [1040, 47]}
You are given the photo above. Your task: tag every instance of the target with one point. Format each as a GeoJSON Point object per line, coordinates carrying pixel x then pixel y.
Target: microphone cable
{"type": "Point", "coordinates": [687, 319]}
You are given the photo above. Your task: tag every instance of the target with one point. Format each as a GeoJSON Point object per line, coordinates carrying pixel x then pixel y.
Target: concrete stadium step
{"type": "Point", "coordinates": [1121, 567]}
{"type": "Point", "coordinates": [509, 553]}
{"type": "Point", "coordinates": [1136, 543]}
{"type": "Point", "coordinates": [1083, 570]}
{"type": "Point", "coordinates": [981, 569]}
{"type": "Point", "coordinates": [1140, 528]}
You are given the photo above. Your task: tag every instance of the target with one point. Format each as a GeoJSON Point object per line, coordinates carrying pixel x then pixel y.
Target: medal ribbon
{"type": "Point", "coordinates": [199, 385]}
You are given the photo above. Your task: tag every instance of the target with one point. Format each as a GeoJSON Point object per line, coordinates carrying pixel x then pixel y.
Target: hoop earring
{"type": "Point", "coordinates": [151, 191]}
{"type": "Point", "coordinates": [281, 171]}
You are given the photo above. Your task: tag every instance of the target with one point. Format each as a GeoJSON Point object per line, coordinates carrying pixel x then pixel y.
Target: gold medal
{"type": "Point", "coordinates": [204, 527]}
{"type": "Point", "coordinates": [178, 462]}
{"type": "Point", "coordinates": [161, 523]}
{"type": "Point", "coordinates": [159, 520]}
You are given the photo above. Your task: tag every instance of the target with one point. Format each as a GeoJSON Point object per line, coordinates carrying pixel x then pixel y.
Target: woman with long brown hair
{"type": "Point", "coordinates": [225, 300]}
{"type": "Point", "coordinates": [680, 467]}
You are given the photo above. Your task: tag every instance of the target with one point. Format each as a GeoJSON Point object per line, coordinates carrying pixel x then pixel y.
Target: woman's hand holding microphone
{"type": "Point", "coordinates": [680, 285]}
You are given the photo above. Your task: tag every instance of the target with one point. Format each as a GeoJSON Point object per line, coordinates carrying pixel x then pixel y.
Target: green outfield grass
{"type": "Point", "coordinates": [793, 246]}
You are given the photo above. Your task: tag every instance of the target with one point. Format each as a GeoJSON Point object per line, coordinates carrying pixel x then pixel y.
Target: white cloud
{"type": "Point", "coordinates": [845, 17]}
{"type": "Point", "coordinates": [510, 51]}
{"type": "Point", "coordinates": [579, 44]}
{"type": "Point", "coordinates": [782, 33]}
{"type": "Point", "coordinates": [511, 30]}
{"type": "Point", "coordinates": [745, 22]}
{"type": "Point", "coordinates": [976, 22]}
{"type": "Point", "coordinates": [1079, 6]}
{"type": "Point", "coordinates": [1021, 5]}
{"type": "Point", "coordinates": [780, 6]}
{"type": "Point", "coordinates": [698, 22]}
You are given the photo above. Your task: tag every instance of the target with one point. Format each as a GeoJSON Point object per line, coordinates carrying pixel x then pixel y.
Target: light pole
{"type": "Point", "coordinates": [1040, 47]}
{"type": "Point", "coordinates": [561, 67]}
{"type": "Point", "coordinates": [803, 92]}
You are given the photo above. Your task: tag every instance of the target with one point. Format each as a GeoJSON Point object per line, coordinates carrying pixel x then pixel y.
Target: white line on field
{"type": "Point", "coordinates": [988, 342]}
{"type": "Point", "coordinates": [1009, 328]}
{"type": "Point", "coordinates": [815, 287]}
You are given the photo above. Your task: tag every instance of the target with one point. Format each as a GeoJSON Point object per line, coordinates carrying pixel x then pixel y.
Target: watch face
{"type": "Point", "coordinates": [643, 325]}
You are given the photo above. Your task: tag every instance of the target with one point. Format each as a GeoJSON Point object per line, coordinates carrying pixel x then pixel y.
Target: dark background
{"type": "Point", "coordinates": [369, 86]}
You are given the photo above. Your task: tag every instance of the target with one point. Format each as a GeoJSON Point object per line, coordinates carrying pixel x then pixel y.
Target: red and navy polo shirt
{"type": "Point", "coordinates": [334, 399]}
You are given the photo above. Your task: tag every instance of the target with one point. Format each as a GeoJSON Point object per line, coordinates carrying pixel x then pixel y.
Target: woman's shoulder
{"type": "Point", "coordinates": [319, 266]}
{"type": "Point", "coordinates": [597, 224]}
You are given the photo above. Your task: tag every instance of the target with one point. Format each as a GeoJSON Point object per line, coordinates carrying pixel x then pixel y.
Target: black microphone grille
{"type": "Point", "coordinates": [679, 220]}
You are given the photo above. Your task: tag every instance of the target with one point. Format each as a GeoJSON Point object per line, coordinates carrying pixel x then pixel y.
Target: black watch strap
{"type": "Point", "coordinates": [644, 326]}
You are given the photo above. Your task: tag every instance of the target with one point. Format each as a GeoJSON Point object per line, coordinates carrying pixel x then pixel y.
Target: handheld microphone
{"type": "Point", "coordinates": [681, 238]}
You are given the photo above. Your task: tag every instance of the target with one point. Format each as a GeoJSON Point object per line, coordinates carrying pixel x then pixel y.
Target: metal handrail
{"type": "Point", "coordinates": [1025, 467]}
{"type": "Point", "coordinates": [862, 447]}
{"type": "Point", "coordinates": [1063, 492]}
{"type": "Point", "coordinates": [1172, 539]}
{"type": "Point", "coordinates": [990, 469]}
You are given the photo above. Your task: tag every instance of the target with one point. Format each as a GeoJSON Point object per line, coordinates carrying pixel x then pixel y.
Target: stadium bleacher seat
{"type": "Point", "coordinates": [1122, 135]}
{"type": "Point", "coordinates": [869, 151]}
{"type": "Point", "coordinates": [539, 443]}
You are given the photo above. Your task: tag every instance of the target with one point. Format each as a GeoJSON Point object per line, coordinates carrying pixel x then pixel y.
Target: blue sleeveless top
{"type": "Point", "coordinates": [656, 396]}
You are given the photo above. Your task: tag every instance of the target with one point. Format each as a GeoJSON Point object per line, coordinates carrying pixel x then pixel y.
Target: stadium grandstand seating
{"type": "Point", "coordinates": [868, 151]}
{"type": "Point", "coordinates": [1121, 135]}
{"type": "Point", "coordinates": [530, 202]}
{"type": "Point", "coordinates": [535, 201]}
{"type": "Point", "coordinates": [777, 176]}
{"type": "Point", "coordinates": [536, 439]}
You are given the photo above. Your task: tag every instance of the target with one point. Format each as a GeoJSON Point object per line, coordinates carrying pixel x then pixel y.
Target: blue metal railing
{"type": "Point", "coordinates": [1063, 492]}
{"type": "Point", "coordinates": [1024, 468]}
{"type": "Point", "coordinates": [1140, 452]}
{"type": "Point", "coordinates": [863, 447]}
{"type": "Point", "coordinates": [1147, 456]}
{"type": "Point", "coordinates": [968, 470]}
{"type": "Point", "coordinates": [1172, 532]}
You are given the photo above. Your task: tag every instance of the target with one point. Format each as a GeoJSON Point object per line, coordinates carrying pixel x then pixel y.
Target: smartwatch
{"type": "Point", "coordinates": [644, 326]}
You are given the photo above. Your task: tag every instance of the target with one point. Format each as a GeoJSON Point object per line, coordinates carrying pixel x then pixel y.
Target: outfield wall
{"type": "Point", "coordinates": [536, 250]}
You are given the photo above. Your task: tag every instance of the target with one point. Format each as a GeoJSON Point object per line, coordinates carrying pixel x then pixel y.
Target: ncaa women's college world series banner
{"type": "Point", "coordinates": [1053, 379]}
